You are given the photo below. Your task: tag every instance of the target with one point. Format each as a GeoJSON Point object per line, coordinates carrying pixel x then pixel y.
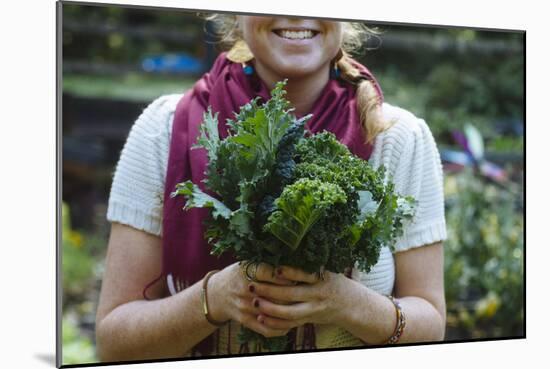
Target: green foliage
{"type": "Point", "coordinates": [198, 199]}
{"type": "Point", "coordinates": [484, 251]}
{"type": "Point", "coordinates": [128, 87]}
{"type": "Point", "coordinates": [506, 144]}
{"type": "Point", "coordinates": [79, 275]}
{"type": "Point", "coordinates": [76, 348]}
{"type": "Point", "coordinates": [77, 261]}
{"type": "Point", "coordinates": [317, 204]}
{"type": "Point", "coordinates": [484, 270]}
{"type": "Point", "coordinates": [307, 191]}
{"type": "Point", "coordinates": [123, 35]}
{"type": "Point", "coordinates": [373, 215]}
{"type": "Point", "coordinates": [450, 89]}
{"type": "Point", "coordinates": [301, 205]}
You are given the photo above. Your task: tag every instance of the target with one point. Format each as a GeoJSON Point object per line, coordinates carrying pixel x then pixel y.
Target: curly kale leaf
{"type": "Point", "coordinates": [246, 111]}
{"type": "Point", "coordinates": [209, 137]}
{"type": "Point", "coordinates": [196, 198]}
{"type": "Point", "coordinates": [222, 175]}
{"type": "Point", "coordinates": [367, 205]}
{"type": "Point", "coordinates": [247, 171]}
{"type": "Point", "coordinates": [283, 171]}
{"type": "Point", "coordinates": [260, 129]}
{"type": "Point", "coordinates": [287, 199]}
{"type": "Point", "coordinates": [381, 226]}
{"type": "Point", "coordinates": [299, 207]}
{"type": "Point", "coordinates": [322, 156]}
{"type": "Point", "coordinates": [249, 159]}
{"type": "Point", "coordinates": [227, 230]}
{"type": "Point", "coordinates": [374, 215]}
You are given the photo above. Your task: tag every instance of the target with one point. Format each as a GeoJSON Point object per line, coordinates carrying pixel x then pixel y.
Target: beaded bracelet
{"type": "Point", "coordinates": [399, 325]}
{"type": "Point", "coordinates": [205, 301]}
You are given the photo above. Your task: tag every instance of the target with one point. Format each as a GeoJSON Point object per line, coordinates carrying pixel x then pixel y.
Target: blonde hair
{"type": "Point", "coordinates": [369, 104]}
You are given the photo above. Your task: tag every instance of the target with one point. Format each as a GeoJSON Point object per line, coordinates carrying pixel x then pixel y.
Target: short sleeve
{"type": "Point", "coordinates": [137, 189]}
{"type": "Point", "coordinates": [409, 153]}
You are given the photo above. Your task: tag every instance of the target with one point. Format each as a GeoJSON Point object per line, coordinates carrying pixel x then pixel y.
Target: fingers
{"type": "Point", "coordinates": [277, 324]}
{"type": "Point", "coordinates": [299, 293]}
{"type": "Point", "coordinates": [246, 314]}
{"type": "Point", "coordinates": [241, 305]}
{"type": "Point", "coordinates": [297, 275]}
{"type": "Point", "coordinates": [266, 273]}
{"type": "Point", "coordinates": [263, 272]}
{"type": "Point", "coordinates": [257, 325]}
{"type": "Point", "coordinates": [284, 316]}
{"type": "Point", "coordinates": [245, 305]}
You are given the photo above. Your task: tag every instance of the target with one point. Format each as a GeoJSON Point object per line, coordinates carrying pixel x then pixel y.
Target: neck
{"type": "Point", "coordinates": [302, 92]}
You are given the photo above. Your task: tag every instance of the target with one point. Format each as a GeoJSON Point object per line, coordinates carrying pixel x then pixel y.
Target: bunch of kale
{"type": "Point", "coordinates": [287, 198]}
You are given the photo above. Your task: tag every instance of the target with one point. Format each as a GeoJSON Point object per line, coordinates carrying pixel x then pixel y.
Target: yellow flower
{"type": "Point", "coordinates": [488, 306]}
{"type": "Point", "coordinates": [75, 238]}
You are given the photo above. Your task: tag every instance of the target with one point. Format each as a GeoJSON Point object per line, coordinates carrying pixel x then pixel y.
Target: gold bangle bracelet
{"type": "Point", "coordinates": [204, 299]}
{"type": "Point", "coordinates": [400, 322]}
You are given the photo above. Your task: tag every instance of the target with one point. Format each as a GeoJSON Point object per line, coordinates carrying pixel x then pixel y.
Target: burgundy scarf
{"type": "Point", "coordinates": [186, 254]}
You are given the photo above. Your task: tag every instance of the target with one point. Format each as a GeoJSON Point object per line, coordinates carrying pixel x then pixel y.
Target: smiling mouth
{"type": "Point", "coordinates": [292, 34]}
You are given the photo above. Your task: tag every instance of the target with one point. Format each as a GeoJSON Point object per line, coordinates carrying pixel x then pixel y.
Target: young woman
{"type": "Point", "coordinates": [152, 236]}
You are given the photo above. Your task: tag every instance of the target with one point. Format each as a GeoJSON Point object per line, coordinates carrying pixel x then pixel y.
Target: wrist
{"type": "Point", "coordinates": [216, 298]}
{"type": "Point", "coordinates": [370, 316]}
{"type": "Point", "coordinates": [346, 302]}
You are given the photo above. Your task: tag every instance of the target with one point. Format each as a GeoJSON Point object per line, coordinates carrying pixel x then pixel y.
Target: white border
{"type": "Point", "coordinates": [28, 181]}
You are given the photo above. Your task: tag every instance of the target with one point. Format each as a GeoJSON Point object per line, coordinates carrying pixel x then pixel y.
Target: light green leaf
{"type": "Point", "coordinates": [240, 222]}
{"type": "Point", "coordinates": [209, 137]}
{"type": "Point", "coordinates": [196, 198]}
{"type": "Point", "coordinates": [406, 206]}
{"type": "Point", "coordinates": [367, 206]}
{"type": "Point", "coordinates": [299, 207]}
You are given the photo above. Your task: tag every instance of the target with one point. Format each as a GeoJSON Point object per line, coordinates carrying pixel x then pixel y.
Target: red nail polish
{"type": "Point", "coordinates": [279, 271]}
{"type": "Point", "coordinates": [256, 303]}
{"type": "Point", "coordinates": [251, 288]}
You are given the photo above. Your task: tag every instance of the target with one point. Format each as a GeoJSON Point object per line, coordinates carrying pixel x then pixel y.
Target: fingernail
{"type": "Point", "coordinates": [251, 288]}
{"type": "Point", "coordinates": [256, 303]}
{"type": "Point", "coordinates": [261, 319]}
{"type": "Point", "coordinates": [279, 271]}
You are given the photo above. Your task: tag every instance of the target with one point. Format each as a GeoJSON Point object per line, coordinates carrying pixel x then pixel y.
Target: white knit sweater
{"type": "Point", "coordinates": [407, 150]}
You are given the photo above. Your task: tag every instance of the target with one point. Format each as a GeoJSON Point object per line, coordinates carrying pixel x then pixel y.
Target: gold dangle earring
{"type": "Point", "coordinates": [240, 53]}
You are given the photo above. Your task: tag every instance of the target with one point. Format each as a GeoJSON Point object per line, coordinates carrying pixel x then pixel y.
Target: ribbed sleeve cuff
{"type": "Point", "coordinates": [424, 236]}
{"type": "Point", "coordinates": [133, 217]}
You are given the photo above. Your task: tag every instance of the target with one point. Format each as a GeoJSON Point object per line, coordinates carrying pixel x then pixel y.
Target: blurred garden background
{"type": "Point", "coordinates": [468, 85]}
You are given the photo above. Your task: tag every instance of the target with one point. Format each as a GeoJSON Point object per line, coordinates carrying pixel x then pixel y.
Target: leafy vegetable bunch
{"type": "Point", "coordinates": [287, 198]}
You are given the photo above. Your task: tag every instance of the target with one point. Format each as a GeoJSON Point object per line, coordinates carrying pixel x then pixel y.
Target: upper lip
{"type": "Point", "coordinates": [295, 29]}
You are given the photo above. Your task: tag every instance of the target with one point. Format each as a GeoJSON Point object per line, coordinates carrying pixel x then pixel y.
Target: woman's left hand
{"type": "Point", "coordinates": [312, 300]}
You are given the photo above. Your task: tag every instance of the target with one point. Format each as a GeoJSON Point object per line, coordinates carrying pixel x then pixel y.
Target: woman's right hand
{"type": "Point", "coordinates": [230, 297]}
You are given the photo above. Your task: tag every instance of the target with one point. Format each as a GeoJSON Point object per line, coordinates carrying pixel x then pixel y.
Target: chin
{"type": "Point", "coordinates": [300, 70]}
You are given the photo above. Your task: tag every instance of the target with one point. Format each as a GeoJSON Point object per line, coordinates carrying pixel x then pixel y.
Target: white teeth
{"type": "Point", "coordinates": [296, 35]}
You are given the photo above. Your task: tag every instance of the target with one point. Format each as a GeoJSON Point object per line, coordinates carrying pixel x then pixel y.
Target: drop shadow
{"type": "Point", "coordinates": [46, 358]}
